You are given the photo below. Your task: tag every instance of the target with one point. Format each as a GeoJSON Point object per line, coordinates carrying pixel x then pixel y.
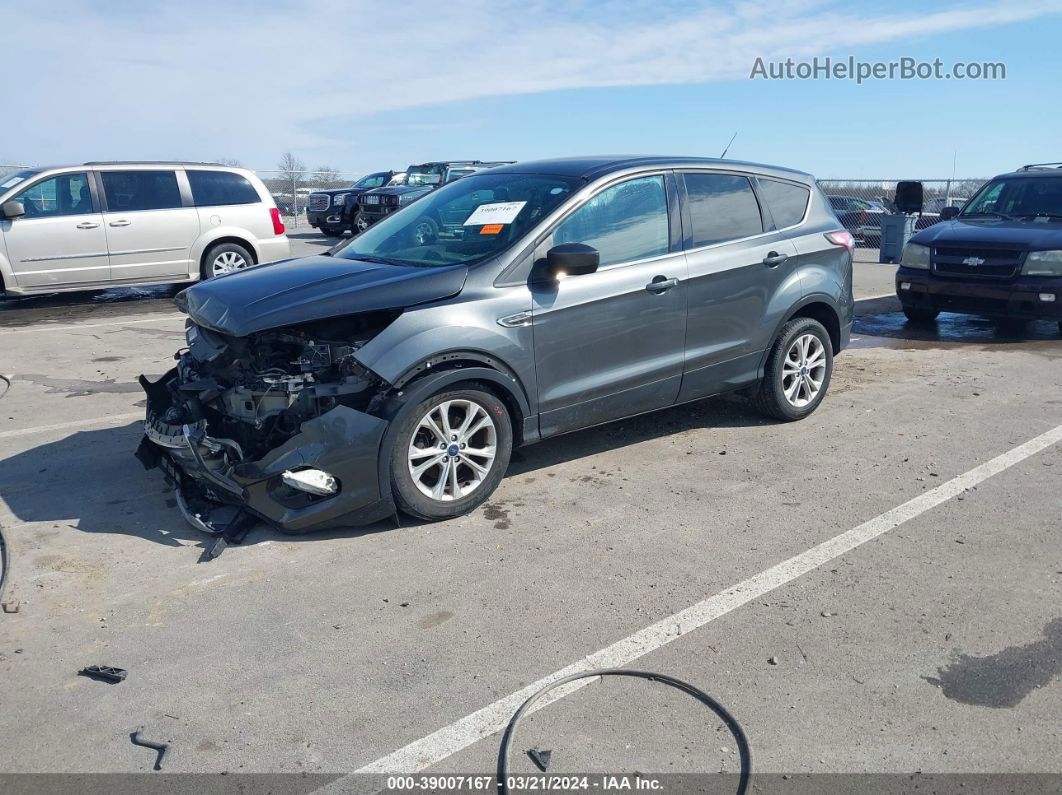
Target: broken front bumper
{"type": "Point", "coordinates": [212, 476]}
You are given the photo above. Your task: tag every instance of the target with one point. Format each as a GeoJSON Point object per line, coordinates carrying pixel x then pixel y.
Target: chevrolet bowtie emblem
{"type": "Point", "coordinates": [973, 261]}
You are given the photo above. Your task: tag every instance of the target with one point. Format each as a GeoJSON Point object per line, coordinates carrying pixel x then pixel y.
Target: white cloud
{"type": "Point", "coordinates": [195, 78]}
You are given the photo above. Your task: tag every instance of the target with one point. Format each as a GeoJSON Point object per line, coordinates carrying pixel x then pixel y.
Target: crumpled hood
{"type": "Point", "coordinates": [998, 233]}
{"type": "Point", "coordinates": [296, 291]}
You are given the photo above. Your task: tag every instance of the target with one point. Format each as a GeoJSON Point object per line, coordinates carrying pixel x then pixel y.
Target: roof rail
{"type": "Point", "coordinates": [148, 163]}
{"type": "Point", "coordinates": [1033, 166]}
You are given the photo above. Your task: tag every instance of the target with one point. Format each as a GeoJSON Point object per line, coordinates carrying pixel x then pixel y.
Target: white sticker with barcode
{"type": "Point", "coordinates": [495, 213]}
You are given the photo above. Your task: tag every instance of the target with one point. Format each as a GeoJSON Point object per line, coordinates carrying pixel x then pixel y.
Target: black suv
{"type": "Point", "coordinates": [324, 208]}
{"type": "Point", "coordinates": [420, 180]}
{"type": "Point", "coordinates": [1001, 255]}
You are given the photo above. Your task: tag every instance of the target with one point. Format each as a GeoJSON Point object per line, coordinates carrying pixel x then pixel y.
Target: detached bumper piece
{"type": "Point", "coordinates": [326, 475]}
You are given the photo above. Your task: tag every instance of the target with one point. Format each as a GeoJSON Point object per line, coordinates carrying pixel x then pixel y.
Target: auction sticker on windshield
{"type": "Point", "coordinates": [495, 213]}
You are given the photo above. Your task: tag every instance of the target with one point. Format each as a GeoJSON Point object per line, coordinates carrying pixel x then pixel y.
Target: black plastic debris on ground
{"type": "Point", "coordinates": [105, 673]}
{"type": "Point", "coordinates": [540, 758]}
{"type": "Point", "coordinates": [160, 747]}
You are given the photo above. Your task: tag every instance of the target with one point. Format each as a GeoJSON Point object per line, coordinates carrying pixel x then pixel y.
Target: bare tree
{"type": "Point", "coordinates": [326, 175]}
{"type": "Point", "coordinates": [229, 161]}
{"type": "Point", "coordinates": [292, 167]}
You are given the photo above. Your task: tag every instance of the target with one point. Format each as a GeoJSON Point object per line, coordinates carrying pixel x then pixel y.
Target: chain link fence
{"type": "Point", "coordinates": [861, 203]}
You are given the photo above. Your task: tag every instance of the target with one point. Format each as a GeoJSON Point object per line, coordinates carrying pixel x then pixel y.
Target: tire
{"type": "Point", "coordinates": [416, 495]}
{"type": "Point", "coordinates": [776, 397]}
{"type": "Point", "coordinates": [920, 315]}
{"type": "Point", "coordinates": [425, 231]}
{"type": "Point", "coordinates": [225, 258]}
{"type": "Point", "coordinates": [359, 224]}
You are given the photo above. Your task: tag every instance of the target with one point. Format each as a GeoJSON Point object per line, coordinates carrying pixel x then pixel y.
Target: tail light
{"type": "Point", "coordinates": [278, 225]}
{"type": "Point", "coordinates": [842, 238]}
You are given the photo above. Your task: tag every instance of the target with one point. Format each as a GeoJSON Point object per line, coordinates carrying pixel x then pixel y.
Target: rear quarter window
{"type": "Point", "coordinates": [786, 201]}
{"type": "Point", "coordinates": [213, 188]}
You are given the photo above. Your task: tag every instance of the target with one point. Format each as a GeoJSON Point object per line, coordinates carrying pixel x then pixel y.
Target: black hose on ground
{"type": "Point", "coordinates": [5, 564]}
{"type": "Point", "coordinates": [744, 752]}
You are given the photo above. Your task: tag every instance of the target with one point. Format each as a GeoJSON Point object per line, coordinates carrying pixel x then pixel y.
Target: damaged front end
{"type": "Point", "coordinates": [277, 425]}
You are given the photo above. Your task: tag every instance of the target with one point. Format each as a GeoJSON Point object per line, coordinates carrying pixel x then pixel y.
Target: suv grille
{"type": "Point", "coordinates": [977, 262]}
{"type": "Point", "coordinates": [318, 201]}
{"type": "Point", "coordinates": [369, 199]}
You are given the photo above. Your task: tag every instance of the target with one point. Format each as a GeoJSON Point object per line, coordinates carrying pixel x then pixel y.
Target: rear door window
{"type": "Point", "coordinates": [722, 207]}
{"type": "Point", "coordinates": [129, 191]}
{"type": "Point", "coordinates": [786, 201]}
{"type": "Point", "coordinates": [214, 188]}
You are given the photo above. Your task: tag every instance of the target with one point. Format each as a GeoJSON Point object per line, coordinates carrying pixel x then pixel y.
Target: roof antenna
{"type": "Point", "coordinates": [728, 146]}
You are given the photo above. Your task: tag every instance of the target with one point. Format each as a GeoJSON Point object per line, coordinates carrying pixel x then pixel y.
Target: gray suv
{"type": "Point", "coordinates": [399, 371]}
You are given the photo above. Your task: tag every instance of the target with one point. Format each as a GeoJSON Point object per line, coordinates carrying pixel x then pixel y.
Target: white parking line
{"type": "Point", "coordinates": [492, 718]}
{"type": "Point", "coordinates": [61, 426]}
{"type": "Point", "coordinates": [79, 326]}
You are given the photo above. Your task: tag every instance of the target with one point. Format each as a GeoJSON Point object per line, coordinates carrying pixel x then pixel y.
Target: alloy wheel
{"type": "Point", "coordinates": [227, 262]}
{"type": "Point", "coordinates": [803, 370]}
{"type": "Point", "coordinates": [452, 450]}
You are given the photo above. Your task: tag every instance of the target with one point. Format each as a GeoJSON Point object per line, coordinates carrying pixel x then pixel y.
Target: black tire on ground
{"type": "Point", "coordinates": [408, 496]}
{"type": "Point", "coordinates": [769, 398]}
{"type": "Point", "coordinates": [917, 314]}
{"type": "Point", "coordinates": [219, 249]}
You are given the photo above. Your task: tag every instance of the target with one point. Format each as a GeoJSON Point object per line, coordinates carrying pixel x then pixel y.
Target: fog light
{"type": "Point", "coordinates": [905, 285]}
{"type": "Point", "coordinates": [1049, 297]}
{"type": "Point", "coordinates": [312, 481]}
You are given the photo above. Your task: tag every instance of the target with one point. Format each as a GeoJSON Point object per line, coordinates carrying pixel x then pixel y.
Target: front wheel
{"type": "Point", "coordinates": [451, 453]}
{"type": "Point", "coordinates": [798, 371]}
{"type": "Point", "coordinates": [360, 224]}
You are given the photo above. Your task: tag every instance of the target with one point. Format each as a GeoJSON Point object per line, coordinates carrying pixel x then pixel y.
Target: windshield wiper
{"type": "Point", "coordinates": [381, 260]}
{"type": "Point", "coordinates": [1040, 215]}
{"type": "Point", "coordinates": [989, 213]}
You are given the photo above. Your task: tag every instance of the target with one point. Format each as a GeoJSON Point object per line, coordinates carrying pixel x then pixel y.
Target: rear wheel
{"type": "Point", "coordinates": [225, 258]}
{"type": "Point", "coordinates": [360, 224]}
{"type": "Point", "coordinates": [451, 453]}
{"type": "Point", "coordinates": [798, 371]}
{"type": "Point", "coordinates": [920, 315]}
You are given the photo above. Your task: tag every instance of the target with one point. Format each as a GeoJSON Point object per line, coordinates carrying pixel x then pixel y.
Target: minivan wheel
{"type": "Point", "coordinates": [451, 453]}
{"type": "Point", "coordinates": [798, 371]}
{"type": "Point", "coordinates": [918, 314]}
{"type": "Point", "coordinates": [226, 258]}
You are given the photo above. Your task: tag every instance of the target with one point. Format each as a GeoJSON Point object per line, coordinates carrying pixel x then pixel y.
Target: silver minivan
{"type": "Point", "coordinates": [132, 223]}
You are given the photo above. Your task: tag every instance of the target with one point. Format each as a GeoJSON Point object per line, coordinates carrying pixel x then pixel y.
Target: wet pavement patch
{"type": "Point", "coordinates": [1002, 680]}
{"type": "Point", "coordinates": [498, 515]}
{"type": "Point", "coordinates": [954, 332]}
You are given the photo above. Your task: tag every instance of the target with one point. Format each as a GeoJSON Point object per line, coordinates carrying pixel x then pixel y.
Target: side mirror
{"type": "Point", "coordinates": [571, 259]}
{"type": "Point", "coordinates": [12, 209]}
{"type": "Point", "coordinates": [948, 213]}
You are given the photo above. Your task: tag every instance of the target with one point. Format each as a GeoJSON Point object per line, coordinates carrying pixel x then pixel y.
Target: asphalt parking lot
{"type": "Point", "coordinates": [897, 553]}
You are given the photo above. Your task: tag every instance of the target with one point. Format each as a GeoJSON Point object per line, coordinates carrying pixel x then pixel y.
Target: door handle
{"type": "Point", "coordinates": [87, 225]}
{"type": "Point", "coordinates": [123, 222]}
{"type": "Point", "coordinates": [661, 284]}
{"type": "Point", "coordinates": [774, 259]}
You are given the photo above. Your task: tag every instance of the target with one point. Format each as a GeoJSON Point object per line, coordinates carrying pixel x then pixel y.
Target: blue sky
{"type": "Point", "coordinates": [363, 86]}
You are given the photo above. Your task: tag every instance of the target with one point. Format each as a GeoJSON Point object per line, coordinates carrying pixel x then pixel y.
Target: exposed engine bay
{"type": "Point", "coordinates": [257, 391]}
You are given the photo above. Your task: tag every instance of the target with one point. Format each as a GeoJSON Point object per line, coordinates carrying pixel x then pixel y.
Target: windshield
{"type": "Point", "coordinates": [10, 179]}
{"type": "Point", "coordinates": [1020, 197]}
{"type": "Point", "coordinates": [371, 181]}
{"type": "Point", "coordinates": [463, 222]}
{"type": "Point", "coordinates": [424, 175]}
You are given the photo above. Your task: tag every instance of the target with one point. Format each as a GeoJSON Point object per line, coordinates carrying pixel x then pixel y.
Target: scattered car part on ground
{"type": "Point", "coordinates": [325, 209]}
{"type": "Point", "coordinates": [160, 747]}
{"type": "Point", "coordinates": [104, 224]}
{"type": "Point", "coordinates": [420, 180]}
{"type": "Point", "coordinates": [1000, 257]}
{"type": "Point", "coordinates": [105, 673]}
{"type": "Point", "coordinates": [399, 371]}
{"type": "Point", "coordinates": [731, 723]}
{"type": "Point", "coordinates": [540, 758]}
